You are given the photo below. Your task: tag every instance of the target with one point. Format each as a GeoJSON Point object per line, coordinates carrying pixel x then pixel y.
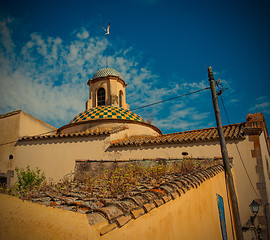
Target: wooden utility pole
{"type": "Point", "coordinates": [224, 152]}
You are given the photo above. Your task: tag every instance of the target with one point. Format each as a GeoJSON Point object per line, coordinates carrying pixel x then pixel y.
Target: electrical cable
{"type": "Point", "coordinates": [33, 136]}
{"type": "Point", "coordinates": [169, 99]}
{"type": "Point", "coordinates": [238, 149]}
{"type": "Point", "coordinates": [183, 95]}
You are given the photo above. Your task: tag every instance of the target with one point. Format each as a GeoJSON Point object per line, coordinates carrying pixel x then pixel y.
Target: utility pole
{"type": "Point", "coordinates": [224, 152]}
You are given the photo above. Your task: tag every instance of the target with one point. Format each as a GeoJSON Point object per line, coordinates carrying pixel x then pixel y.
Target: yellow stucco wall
{"type": "Point", "coordinates": [9, 128]}
{"type": "Point", "coordinates": [56, 157]}
{"type": "Point", "coordinates": [30, 125]}
{"type": "Point", "coordinates": [194, 215]}
{"type": "Point", "coordinates": [12, 128]}
{"type": "Point", "coordinates": [24, 220]}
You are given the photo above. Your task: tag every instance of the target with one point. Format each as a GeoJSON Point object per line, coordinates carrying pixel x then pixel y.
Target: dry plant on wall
{"type": "Point", "coordinates": [114, 183]}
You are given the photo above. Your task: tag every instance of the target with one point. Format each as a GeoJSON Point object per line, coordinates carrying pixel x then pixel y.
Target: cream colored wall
{"type": "Point", "coordinates": [134, 128]}
{"type": "Point", "coordinates": [9, 128]}
{"type": "Point", "coordinates": [139, 130]}
{"type": "Point", "coordinates": [265, 159]}
{"type": "Point", "coordinates": [56, 157]}
{"type": "Point", "coordinates": [194, 215]}
{"type": "Point", "coordinates": [12, 128]}
{"type": "Point", "coordinates": [30, 126]}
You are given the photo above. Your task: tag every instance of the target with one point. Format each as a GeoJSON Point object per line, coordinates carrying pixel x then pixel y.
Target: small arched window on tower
{"type": "Point", "coordinates": [120, 99]}
{"type": "Point", "coordinates": [101, 97]}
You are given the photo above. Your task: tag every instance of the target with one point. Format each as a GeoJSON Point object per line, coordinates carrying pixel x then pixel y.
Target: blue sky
{"type": "Point", "coordinates": [49, 50]}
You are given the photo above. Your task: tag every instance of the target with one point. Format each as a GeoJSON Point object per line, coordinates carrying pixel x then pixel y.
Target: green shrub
{"type": "Point", "coordinates": [29, 179]}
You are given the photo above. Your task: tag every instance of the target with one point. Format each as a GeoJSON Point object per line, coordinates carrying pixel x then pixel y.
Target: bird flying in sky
{"type": "Point", "coordinates": [107, 31]}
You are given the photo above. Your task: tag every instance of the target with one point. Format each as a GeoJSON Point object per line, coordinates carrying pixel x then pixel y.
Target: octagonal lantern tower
{"type": "Point", "coordinates": [107, 87]}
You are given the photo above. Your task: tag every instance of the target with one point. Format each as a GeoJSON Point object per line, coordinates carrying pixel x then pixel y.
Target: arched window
{"type": "Point", "coordinates": [101, 97]}
{"type": "Point", "coordinates": [120, 99]}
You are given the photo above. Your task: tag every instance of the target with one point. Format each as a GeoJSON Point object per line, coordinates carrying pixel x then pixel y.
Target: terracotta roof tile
{"type": "Point", "coordinates": [230, 131]}
{"type": "Point", "coordinates": [115, 213]}
{"type": "Point", "coordinates": [86, 133]}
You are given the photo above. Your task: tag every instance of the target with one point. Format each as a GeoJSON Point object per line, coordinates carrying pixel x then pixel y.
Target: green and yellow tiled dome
{"type": "Point", "coordinates": [106, 112]}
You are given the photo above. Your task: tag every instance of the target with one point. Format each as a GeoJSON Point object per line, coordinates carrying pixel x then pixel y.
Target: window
{"type": "Point", "coordinates": [3, 181]}
{"type": "Point", "coordinates": [101, 97]}
{"type": "Point", "coordinates": [120, 98]}
{"type": "Point", "coordinates": [222, 217]}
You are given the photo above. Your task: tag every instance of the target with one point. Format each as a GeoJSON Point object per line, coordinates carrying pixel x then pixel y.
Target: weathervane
{"type": "Point", "coordinates": [107, 32]}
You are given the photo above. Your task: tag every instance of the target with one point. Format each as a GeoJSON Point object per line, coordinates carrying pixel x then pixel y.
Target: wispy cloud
{"type": "Point", "coordinates": [47, 78]}
{"type": "Point", "coordinates": [262, 104]}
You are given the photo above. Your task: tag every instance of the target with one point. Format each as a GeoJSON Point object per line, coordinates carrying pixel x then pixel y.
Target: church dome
{"type": "Point", "coordinates": [104, 72]}
{"type": "Point", "coordinates": [106, 112]}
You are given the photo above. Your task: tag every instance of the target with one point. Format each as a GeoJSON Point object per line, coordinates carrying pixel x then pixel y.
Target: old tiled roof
{"type": "Point", "coordinates": [232, 131]}
{"type": "Point", "coordinates": [85, 133]}
{"type": "Point", "coordinates": [116, 213]}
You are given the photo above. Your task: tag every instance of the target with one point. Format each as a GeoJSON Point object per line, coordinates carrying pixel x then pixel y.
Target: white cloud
{"type": "Point", "coordinates": [233, 100]}
{"type": "Point", "coordinates": [5, 36]}
{"type": "Point", "coordinates": [262, 98]}
{"type": "Point", "coordinates": [47, 78]}
{"type": "Point", "coordinates": [83, 34]}
{"type": "Point", "coordinates": [262, 105]}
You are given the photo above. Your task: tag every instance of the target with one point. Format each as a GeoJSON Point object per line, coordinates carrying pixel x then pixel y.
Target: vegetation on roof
{"type": "Point", "coordinates": [116, 183]}
{"type": "Point", "coordinates": [115, 197]}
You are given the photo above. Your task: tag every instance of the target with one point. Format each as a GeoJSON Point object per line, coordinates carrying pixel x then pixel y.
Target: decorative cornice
{"type": "Point", "coordinates": [110, 77]}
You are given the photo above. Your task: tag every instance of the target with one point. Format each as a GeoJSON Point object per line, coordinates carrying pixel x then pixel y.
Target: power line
{"type": "Point", "coordinates": [8, 143]}
{"type": "Point", "coordinates": [239, 150]}
{"type": "Point", "coordinates": [169, 99]}
{"type": "Point", "coordinates": [33, 136]}
{"type": "Point", "coordinates": [166, 100]}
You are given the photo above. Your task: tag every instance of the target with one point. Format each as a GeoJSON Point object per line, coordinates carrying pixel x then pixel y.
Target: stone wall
{"type": "Point", "coordinates": [96, 167]}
